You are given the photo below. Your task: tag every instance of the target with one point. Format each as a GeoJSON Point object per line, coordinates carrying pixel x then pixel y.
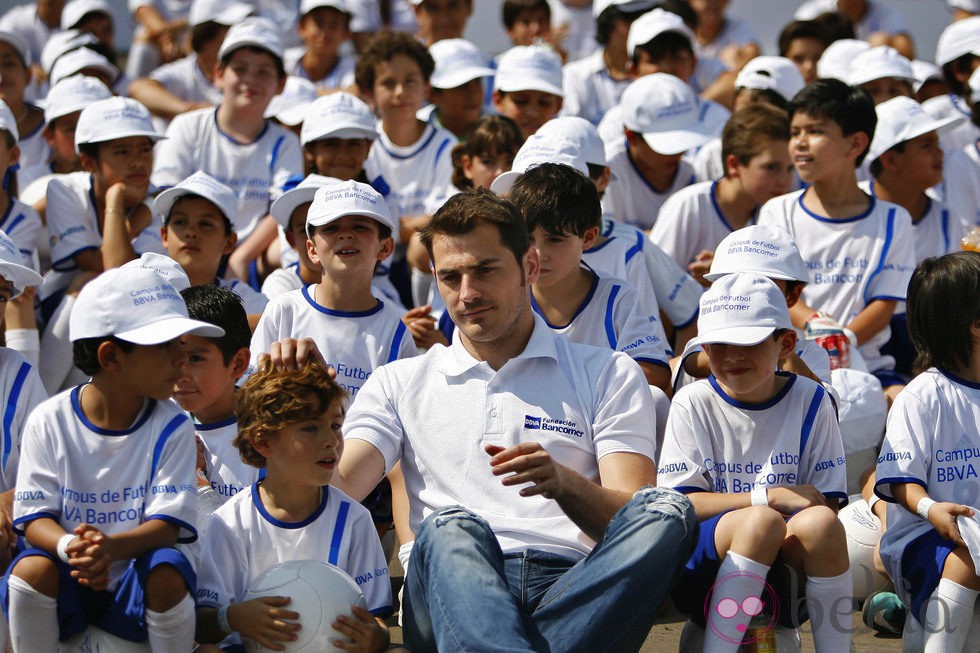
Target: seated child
{"type": "Point", "coordinates": [883, 73]}
{"type": "Point", "coordinates": [441, 19]}
{"type": "Point", "coordinates": [924, 470]}
{"type": "Point", "coordinates": [803, 42]}
{"type": "Point", "coordinates": [759, 454]}
{"type": "Point", "coordinates": [528, 86]}
{"type": "Point", "coordinates": [324, 27]}
{"type": "Point", "coordinates": [957, 56]}
{"type": "Point", "coordinates": [528, 22]}
{"type": "Point", "coordinates": [102, 544]}
{"type": "Point", "coordinates": [289, 426]}
{"type": "Point", "coordinates": [963, 167]}
{"type": "Point", "coordinates": [15, 60]}
{"type": "Point", "coordinates": [457, 86]}
{"type": "Point", "coordinates": [18, 220]}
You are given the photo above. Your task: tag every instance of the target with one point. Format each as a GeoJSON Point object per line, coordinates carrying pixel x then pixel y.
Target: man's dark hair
{"type": "Point", "coordinates": [514, 8]}
{"type": "Point", "coordinates": [220, 306]}
{"type": "Point", "coordinates": [384, 47]}
{"type": "Point", "coordinates": [831, 99]}
{"type": "Point", "coordinates": [464, 212]}
{"type": "Point", "coordinates": [85, 352]}
{"type": "Point", "coordinates": [557, 198]}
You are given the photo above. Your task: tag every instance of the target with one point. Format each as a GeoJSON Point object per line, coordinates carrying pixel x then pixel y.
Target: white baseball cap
{"type": "Point", "coordinates": [959, 38]}
{"type": "Point", "coordinates": [306, 6]}
{"type": "Point", "coordinates": [579, 131]}
{"type": "Point", "coordinates": [17, 42]}
{"type": "Point", "coordinates": [625, 6]}
{"type": "Point", "coordinates": [289, 107]}
{"type": "Point", "coordinates": [112, 118]}
{"type": "Point", "coordinates": [12, 266]}
{"type": "Point", "coordinates": [529, 68]}
{"type": "Point", "coordinates": [835, 62]}
{"type": "Point", "coordinates": [743, 309]}
{"type": "Point", "coordinates": [975, 86]}
{"type": "Point", "coordinates": [777, 74]}
{"type": "Point", "coordinates": [61, 43]}
{"type": "Point", "coordinates": [7, 121]}
{"type": "Point", "coordinates": [136, 305]}
{"type": "Point", "coordinates": [537, 149]}
{"type": "Point", "coordinates": [74, 62]}
{"type": "Point", "coordinates": [654, 23]}
{"type": "Point", "coordinates": [924, 71]}
{"type": "Point", "coordinates": [201, 184]}
{"type": "Point", "coordinates": [335, 201]}
{"type": "Point", "coordinates": [761, 249]}
{"type": "Point", "coordinates": [457, 62]}
{"type": "Point", "coordinates": [666, 112]}
{"type": "Point", "coordinates": [901, 119]}
{"type": "Point", "coordinates": [223, 12]}
{"type": "Point", "coordinates": [76, 10]}
{"type": "Point", "coordinates": [338, 115]}
{"type": "Point", "coordinates": [163, 265]}
{"type": "Point", "coordinates": [252, 32]}
{"type": "Point", "coordinates": [965, 5]}
{"type": "Point", "coordinates": [879, 62]}
{"type": "Point", "coordinates": [303, 192]}
{"type": "Point", "coordinates": [73, 94]}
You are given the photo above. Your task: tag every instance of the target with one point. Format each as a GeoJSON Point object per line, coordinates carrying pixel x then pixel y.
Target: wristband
{"type": "Point", "coordinates": [760, 495]}
{"type": "Point", "coordinates": [922, 508]}
{"type": "Point", "coordinates": [62, 548]}
{"type": "Point", "coordinates": [223, 619]}
{"type": "Point", "coordinates": [851, 337]}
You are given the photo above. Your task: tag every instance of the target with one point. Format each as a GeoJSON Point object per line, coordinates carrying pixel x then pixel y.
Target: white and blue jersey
{"type": "Point", "coordinates": [223, 464]}
{"type": "Point", "coordinates": [75, 472]}
{"type": "Point", "coordinates": [715, 443]}
{"type": "Point", "coordinates": [590, 90]}
{"type": "Point", "coordinates": [961, 171]}
{"type": "Point", "coordinates": [353, 343]}
{"type": "Point", "coordinates": [23, 225]}
{"type": "Point", "coordinates": [341, 76]}
{"type": "Point", "coordinates": [253, 301]}
{"type": "Point", "coordinates": [21, 391]}
{"type": "Point", "coordinates": [282, 280]}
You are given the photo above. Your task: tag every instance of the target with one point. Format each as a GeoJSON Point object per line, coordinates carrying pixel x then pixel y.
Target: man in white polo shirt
{"type": "Point", "coordinates": [520, 451]}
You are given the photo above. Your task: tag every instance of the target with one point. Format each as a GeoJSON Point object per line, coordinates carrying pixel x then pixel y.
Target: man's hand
{"type": "Point", "coordinates": [942, 516]}
{"type": "Point", "coordinates": [528, 462]}
{"type": "Point", "coordinates": [791, 499]}
{"type": "Point", "coordinates": [264, 621]}
{"type": "Point", "coordinates": [292, 354]}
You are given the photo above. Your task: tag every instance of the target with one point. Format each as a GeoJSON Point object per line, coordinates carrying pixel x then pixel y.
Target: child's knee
{"type": "Point", "coordinates": [165, 588]}
{"type": "Point", "coordinates": [817, 524]}
{"type": "Point", "coordinates": [959, 568]}
{"type": "Point", "coordinates": [39, 572]}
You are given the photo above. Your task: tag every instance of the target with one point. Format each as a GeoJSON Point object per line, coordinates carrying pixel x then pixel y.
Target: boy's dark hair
{"type": "Point", "coordinates": [802, 29]}
{"type": "Point", "coordinates": [204, 33]}
{"type": "Point", "coordinates": [961, 67]}
{"type": "Point", "coordinates": [557, 198]}
{"type": "Point", "coordinates": [836, 25]}
{"type": "Point", "coordinates": [663, 45]}
{"type": "Point", "coordinates": [876, 168]}
{"type": "Point", "coordinates": [272, 399]}
{"type": "Point", "coordinates": [513, 9]}
{"type": "Point", "coordinates": [942, 307]}
{"type": "Point", "coordinates": [229, 228]}
{"type": "Point", "coordinates": [492, 135]}
{"type": "Point", "coordinates": [763, 95]}
{"type": "Point", "coordinates": [280, 69]}
{"type": "Point", "coordinates": [384, 47]}
{"type": "Point", "coordinates": [831, 99]}
{"type": "Point", "coordinates": [606, 21]}
{"type": "Point", "coordinates": [216, 305]}
{"type": "Point", "coordinates": [465, 211]}
{"type": "Point", "coordinates": [975, 114]}
{"type": "Point", "coordinates": [85, 352]}
{"type": "Point", "coordinates": [750, 130]}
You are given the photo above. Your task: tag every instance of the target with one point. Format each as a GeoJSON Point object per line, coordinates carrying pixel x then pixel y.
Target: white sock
{"type": "Point", "coordinates": [421, 285]}
{"type": "Point", "coordinates": [949, 613]}
{"type": "Point", "coordinates": [172, 631]}
{"type": "Point", "coordinates": [33, 618]}
{"type": "Point", "coordinates": [725, 633]}
{"type": "Point", "coordinates": [829, 603]}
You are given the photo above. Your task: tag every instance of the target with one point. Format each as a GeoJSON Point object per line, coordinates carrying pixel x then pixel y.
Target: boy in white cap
{"type": "Point", "coordinates": [91, 16]}
{"type": "Point", "coordinates": [441, 19]}
{"type": "Point", "coordinates": [20, 221]}
{"type": "Point", "coordinates": [103, 541]}
{"type": "Point", "coordinates": [324, 26]}
{"type": "Point", "coordinates": [874, 21]}
{"type": "Point", "coordinates": [661, 119]}
{"type": "Point", "coordinates": [457, 85]}
{"type": "Point", "coordinates": [958, 54]}
{"type": "Point", "coordinates": [528, 86]}
{"type": "Point", "coordinates": [16, 62]}
{"type": "Point", "coordinates": [235, 143]}
{"type": "Point", "coordinates": [883, 73]}
{"type": "Point", "coordinates": [759, 454]}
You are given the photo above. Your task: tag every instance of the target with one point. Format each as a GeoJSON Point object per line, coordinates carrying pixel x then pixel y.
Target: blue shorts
{"type": "Point", "coordinates": [119, 612]}
{"type": "Point", "coordinates": [701, 572]}
{"type": "Point", "coordinates": [922, 567]}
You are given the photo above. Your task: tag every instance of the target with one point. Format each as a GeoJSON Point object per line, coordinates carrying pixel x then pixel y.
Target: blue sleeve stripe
{"type": "Point", "coordinates": [396, 342]}
{"type": "Point", "coordinates": [885, 482]}
{"type": "Point", "coordinates": [889, 234]}
{"type": "Point", "coordinates": [439, 151]}
{"type": "Point", "coordinates": [610, 327]}
{"type": "Point", "coordinates": [944, 223]}
{"type": "Point", "coordinates": [11, 410]}
{"type": "Point", "coordinates": [179, 523]}
{"type": "Point", "coordinates": [635, 249]}
{"type": "Point", "coordinates": [652, 361]}
{"type": "Point", "coordinates": [689, 489]}
{"type": "Point", "coordinates": [20, 522]}
{"type": "Point", "coordinates": [66, 263]}
{"type": "Point", "coordinates": [15, 222]}
{"type": "Point", "coordinates": [275, 153]}
{"type": "Point", "coordinates": [168, 430]}
{"type": "Point", "coordinates": [811, 416]}
{"type": "Point", "coordinates": [383, 611]}
{"type": "Point", "coordinates": [338, 532]}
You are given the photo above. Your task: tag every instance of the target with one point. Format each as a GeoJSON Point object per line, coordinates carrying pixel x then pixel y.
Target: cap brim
{"type": "Point", "coordinates": [232, 15]}
{"type": "Point", "coordinates": [676, 141]}
{"type": "Point", "coordinates": [20, 276]}
{"type": "Point", "coordinates": [167, 329]}
{"type": "Point", "coordinates": [505, 182]}
{"type": "Point", "coordinates": [743, 336]}
{"type": "Point", "coordinates": [344, 131]}
{"type": "Point", "coordinates": [383, 219]}
{"type": "Point", "coordinates": [459, 77]}
{"type": "Point", "coordinates": [282, 209]}
{"type": "Point", "coordinates": [165, 201]}
{"type": "Point", "coordinates": [770, 274]}
{"type": "Point", "coordinates": [532, 84]}
{"type": "Point", "coordinates": [292, 115]}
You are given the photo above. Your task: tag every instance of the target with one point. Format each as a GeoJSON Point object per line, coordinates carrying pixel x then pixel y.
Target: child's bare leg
{"type": "Point", "coordinates": [169, 611]}
{"type": "Point", "coordinates": [33, 614]}
{"type": "Point", "coordinates": [949, 611]}
{"type": "Point", "coordinates": [877, 507]}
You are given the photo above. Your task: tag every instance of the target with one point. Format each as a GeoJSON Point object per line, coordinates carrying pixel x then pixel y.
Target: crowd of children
{"type": "Point", "coordinates": [774, 241]}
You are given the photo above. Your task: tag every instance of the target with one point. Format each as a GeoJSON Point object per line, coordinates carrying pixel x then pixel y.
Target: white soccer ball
{"type": "Point", "coordinates": [319, 592]}
{"type": "Point", "coordinates": [863, 530]}
{"type": "Point", "coordinates": [94, 639]}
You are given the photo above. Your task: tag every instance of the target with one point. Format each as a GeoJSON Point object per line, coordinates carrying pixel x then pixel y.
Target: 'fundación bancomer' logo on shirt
{"type": "Point", "coordinates": [565, 426]}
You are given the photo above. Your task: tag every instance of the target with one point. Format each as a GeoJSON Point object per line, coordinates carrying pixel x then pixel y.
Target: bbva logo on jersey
{"type": "Point", "coordinates": [566, 426]}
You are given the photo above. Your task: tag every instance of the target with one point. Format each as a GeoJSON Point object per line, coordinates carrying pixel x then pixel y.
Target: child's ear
{"type": "Point", "coordinates": [793, 295]}
{"type": "Point", "coordinates": [589, 238]}
{"type": "Point", "coordinates": [108, 355]}
{"type": "Point", "coordinates": [89, 164]}
{"type": "Point", "coordinates": [163, 235]}
{"type": "Point", "coordinates": [231, 239]}
{"type": "Point", "coordinates": [311, 251]}
{"type": "Point", "coordinates": [387, 247]}
{"type": "Point", "coordinates": [498, 99]}
{"type": "Point", "coordinates": [732, 166]}
{"type": "Point", "coordinates": [261, 445]}
{"type": "Point", "coordinates": [14, 155]}
{"type": "Point", "coordinates": [787, 343]}
{"type": "Point", "coordinates": [239, 362]}
{"type": "Point", "coordinates": [859, 143]}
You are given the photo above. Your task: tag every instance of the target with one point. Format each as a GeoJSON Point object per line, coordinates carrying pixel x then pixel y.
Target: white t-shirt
{"type": "Point", "coordinates": [366, 16]}
{"type": "Point", "coordinates": [224, 466]}
{"type": "Point", "coordinates": [242, 540]}
{"type": "Point", "coordinates": [34, 150]}
{"type": "Point", "coordinates": [23, 225]}
{"type": "Point", "coordinates": [630, 198]}
{"type": "Point", "coordinates": [75, 472]}
{"type": "Point", "coordinates": [282, 280]}
{"type": "Point", "coordinates": [933, 440]}
{"type": "Point", "coordinates": [614, 316]}
{"type": "Point", "coordinates": [715, 443]}
{"type": "Point", "coordinates": [937, 232]}
{"type": "Point", "coordinates": [957, 136]}
{"type": "Point", "coordinates": [339, 77]}
{"type": "Point", "coordinates": [355, 344]}
{"type": "Point", "coordinates": [878, 18]}
{"type": "Point", "coordinates": [436, 412]}
{"type": "Point", "coordinates": [253, 301]}
{"type": "Point", "coordinates": [411, 177]}
{"type": "Point", "coordinates": [184, 79]}
{"type": "Point", "coordinates": [590, 90]}
{"type": "Point", "coordinates": [734, 31]}
{"type": "Point", "coordinates": [851, 262]}
{"type": "Point", "coordinates": [21, 391]}
{"type": "Point", "coordinates": [962, 170]}
{"type": "Point", "coordinates": [255, 171]}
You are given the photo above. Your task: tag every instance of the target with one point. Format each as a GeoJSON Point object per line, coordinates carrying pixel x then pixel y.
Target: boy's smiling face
{"type": "Point", "coordinates": [349, 245]}
{"type": "Point", "coordinates": [819, 147]}
{"type": "Point", "coordinates": [250, 80]}
{"type": "Point", "coordinates": [324, 30]}
{"type": "Point", "coordinates": [400, 89]}
{"type": "Point", "coordinates": [197, 235]}
{"type": "Point", "coordinates": [748, 373]}
{"type": "Point", "coordinates": [207, 386]}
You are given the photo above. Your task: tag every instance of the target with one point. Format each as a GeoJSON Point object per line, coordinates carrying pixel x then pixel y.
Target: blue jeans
{"type": "Point", "coordinates": [463, 594]}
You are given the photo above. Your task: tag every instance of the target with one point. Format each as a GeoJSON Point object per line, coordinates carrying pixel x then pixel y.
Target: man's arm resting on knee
{"type": "Point", "coordinates": [361, 469]}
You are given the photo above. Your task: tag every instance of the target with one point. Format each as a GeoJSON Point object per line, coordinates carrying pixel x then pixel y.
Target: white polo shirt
{"type": "Point", "coordinates": [436, 412]}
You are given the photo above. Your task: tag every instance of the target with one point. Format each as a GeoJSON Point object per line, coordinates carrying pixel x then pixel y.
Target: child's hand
{"type": "Point", "coordinates": [942, 516]}
{"type": "Point", "coordinates": [264, 621]}
{"type": "Point", "coordinates": [90, 557]}
{"type": "Point", "coordinates": [423, 327]}
{"type": "Point", "coordinates": [701, 265]}
{"type": "Point", "coordinates": [132, 192]}
{"type": "Point", "coordinates": [364, 633]}
{"type": "Point", "coordinates": [790, 500]}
